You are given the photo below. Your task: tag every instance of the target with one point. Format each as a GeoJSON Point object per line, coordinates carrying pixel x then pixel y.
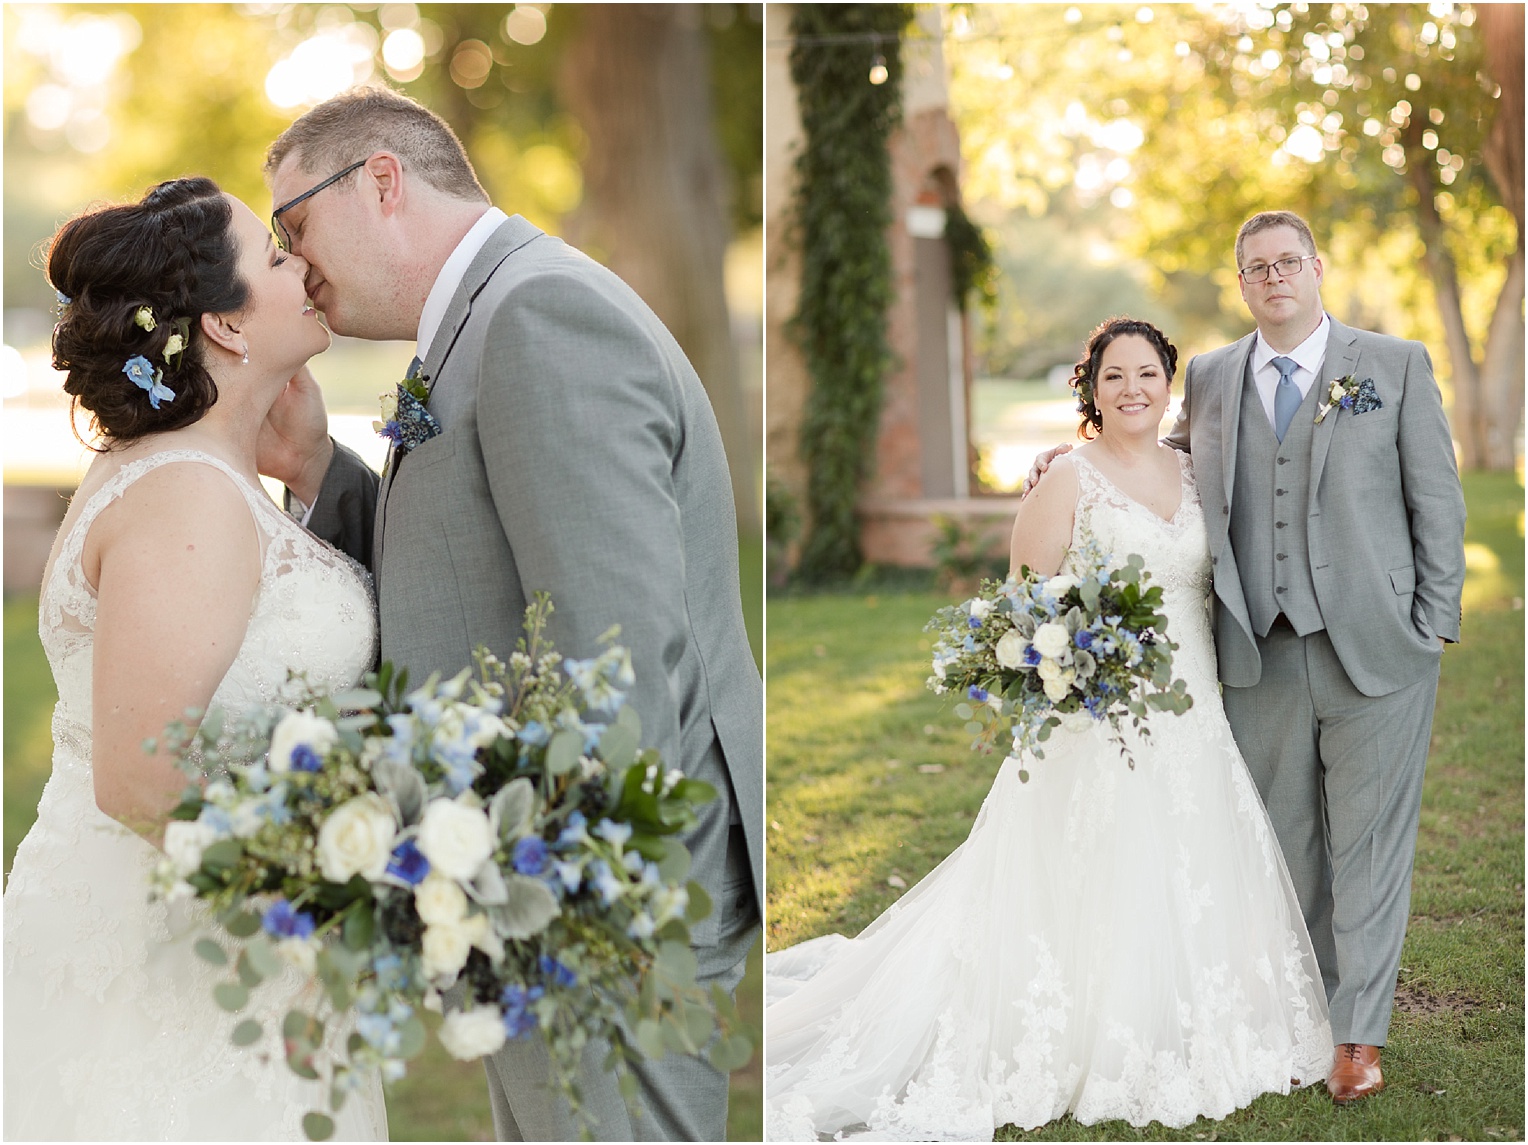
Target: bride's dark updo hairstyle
{"type": "Point", "coordinates": [1085, 371]}
{"type": "Point", "coordinates": [174, 252]}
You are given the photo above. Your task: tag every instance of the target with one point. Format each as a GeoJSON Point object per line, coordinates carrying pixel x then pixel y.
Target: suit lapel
{"type": "Point", "coordinates": [1341, 360]}
{"type": "Point", "coordinates": [511, 235]}
{"type": "Point", "coordinates": [1230, 412]}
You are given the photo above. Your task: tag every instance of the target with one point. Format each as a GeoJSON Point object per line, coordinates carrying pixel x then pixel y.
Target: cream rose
{"type": "Point", "coordinates": [1052, 639]}
{"type": "Point", "coordinates": [439, 899]}
{"type": "Point", "coordinates": [357, 838]}
{"type": "Point", "coordinates": [1010, 649]}
{"type": "Point", "coordinates": [474, 1033]}
{"type": "Point", "coordinates": [444, 949]}
{"type": "Point", "coordinates": [1057, 586]}
{"type": "Point", "coordinates": [456, 838]}
{"type": "Point", "coordinates": [300, 729]}
{"type": "Point", "coordinates": [1056, 689]}
{"type": "Point", "coordinates": [1049, 670]}
{"type": "Point", "coordinates": [184, 843]}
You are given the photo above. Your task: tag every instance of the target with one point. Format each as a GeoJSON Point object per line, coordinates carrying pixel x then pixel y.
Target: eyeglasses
{"type": "Point", "coordinates": [283, 238]}
{"type": "Point", "coordinates": [1287, 268]}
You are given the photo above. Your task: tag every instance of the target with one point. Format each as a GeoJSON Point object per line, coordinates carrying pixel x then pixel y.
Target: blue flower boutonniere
{"type": "Point", "coordinates": [1350, 394]}
{"type": "Point", "coordinates": [405, 421]}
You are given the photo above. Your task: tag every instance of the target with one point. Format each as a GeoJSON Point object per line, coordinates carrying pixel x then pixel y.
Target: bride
{"type": "Point", "coordinates": [175, 583]}
{"type": "Point", "coordinates": [1108, 942]}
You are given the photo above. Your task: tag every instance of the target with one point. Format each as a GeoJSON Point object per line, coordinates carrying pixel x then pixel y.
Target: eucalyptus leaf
{"type": "Point", "coordinates": [210, 951]}
{"type": "Point", "coordinates": [360, 927]}
{"type": "Point", "coordinates": [676, 962]}
{"type": "Point", "coordinates": [249, 973]}
{"type": "Point", "coordinates": [412, 1038]}
{"type": "Point", "coordinates": [247, 1032]}
{"type": "Point", "coordinates": [242, 925]}
{"type": "Point", "coordinates": [697, 1020]}
{"type": "Point", "coordinates": [318, 1126]}
{"type": "Point", "coordinates": [563, 751]}
{"type": "Point", "coordinates": [731, 1053]}
{"type": "Point", "coordinates": [618, 745]}
{"type": "Point", "coordinates": [650, 1038]}
{"type": "Point", "coordinates": [298, 1026]}
{"type": "Point", "coordinates": [357, 698]}
{"type": "Point", "coordinates": [700, 903]}
{"type": "Point", "coordinates": [231, 996]}
{"type": "Point", "coordinates": [222, 855]}
{"type": "Point", "coordinates": [964, 711]}
{"type": "Point", "coordinates": [674, 865]}
{"type": "Point", "coordinates": [677, 1039]}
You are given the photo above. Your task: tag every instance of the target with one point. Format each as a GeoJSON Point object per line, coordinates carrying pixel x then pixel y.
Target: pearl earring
{"type": "Point", "coordinates": [245, 360]}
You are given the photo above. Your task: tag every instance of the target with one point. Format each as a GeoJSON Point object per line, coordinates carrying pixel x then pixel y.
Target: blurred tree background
{"type": "Point", "coordinates": [633, 130]}
{"type": "Point", "coordinates": [1113, 150]}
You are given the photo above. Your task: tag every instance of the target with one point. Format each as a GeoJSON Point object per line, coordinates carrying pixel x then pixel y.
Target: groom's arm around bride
{"type": "Point", "coordinates": [577, 453]}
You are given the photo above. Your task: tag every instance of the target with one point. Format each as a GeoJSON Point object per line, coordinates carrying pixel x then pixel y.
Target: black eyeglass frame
{"type": "Point", "coordinates": [283, 237]}
{"type": "Point", "coordinates": [1265, 267]}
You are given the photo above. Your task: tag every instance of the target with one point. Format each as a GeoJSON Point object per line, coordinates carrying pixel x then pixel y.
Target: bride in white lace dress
{"type": "Point", "coordinates": [175, 583]}
{"type": "Point", "coordinates": [1108, 942]}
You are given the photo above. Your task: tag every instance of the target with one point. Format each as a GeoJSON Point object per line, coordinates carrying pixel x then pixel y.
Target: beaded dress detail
{"type": "Point", "coordinates": [111, 1032]}
{"type": "Point", "coordinates": [1108, 942]}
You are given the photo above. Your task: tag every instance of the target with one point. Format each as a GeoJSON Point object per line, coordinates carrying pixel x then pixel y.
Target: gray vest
{"type": "Point", "coordinates": [1268, 528]}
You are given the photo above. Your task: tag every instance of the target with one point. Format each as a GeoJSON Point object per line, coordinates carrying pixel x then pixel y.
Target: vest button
{"type": "Point", "coordinates": [1283, 461]}
{"type": "Point", "coordinates": [1282, 557]}
{"type": "Point", "coordinates": [1279, 589]}
{"type": "Point", "coordinates": [1278, 492]}
{"type": "Point", "coordinates": [1278, 524]}
{"type": "Point", "coordinates": [1225, 510]}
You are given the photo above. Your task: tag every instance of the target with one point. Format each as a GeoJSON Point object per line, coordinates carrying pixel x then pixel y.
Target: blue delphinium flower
{"type": "Point", "coordinates": [556, 972]}
{"type": "Point", "coordinates": [530, 855]}
{"type": "Point", "coordinates": [610, 888]}
{"type": "Point", "coordinates": [1097, 706]}
{"type": "Point", "coordinates": [518, 1018]}
{"type": "Point", "coordinates": [140, 371]}
{"type": "Point", "coordinates": [974, 621]}
{"type": "Point", "coordinates": [408, 863]}
{"type": "Point", "coordinates": [1083, 639]}
{"type": "Point", "coordinates": [575, 831]}
{"type": "Point", "coordinates": [216, 818]}
{"type": "Point", "coordinates": [304, 758]}
{"type": "Point", "coordinates": [1031, 655]}
{"type": "Point", "coordinates": [613, 832]}
{"type": "Point", "coordinates": [980, 695]}
{"type": "Point", "coordinates": [379, 1031]}
{"type": "Point", "coordinates": [281, 921]}
{"type": "Point", "coordinates": [534, 733]}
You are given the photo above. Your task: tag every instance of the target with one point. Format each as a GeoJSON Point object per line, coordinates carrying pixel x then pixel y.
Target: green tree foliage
{"type": "Point", "coordinates": [841, 212]}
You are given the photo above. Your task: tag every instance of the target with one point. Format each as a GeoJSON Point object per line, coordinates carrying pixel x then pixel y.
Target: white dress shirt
{"type": "Point", "coordinates": [1309, 355]}
{"type": "Point", "coordinates": [450, 276]}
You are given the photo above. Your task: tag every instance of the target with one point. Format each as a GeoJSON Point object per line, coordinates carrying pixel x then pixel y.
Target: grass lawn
{"type": "Point", "coordinates": [870, 779]}
{"type": "Point", "coordinates": [441, 1099]}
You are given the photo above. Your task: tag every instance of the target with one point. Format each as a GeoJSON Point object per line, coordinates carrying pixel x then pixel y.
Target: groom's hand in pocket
{"type": "Point", "coordinates": [1037, 470]}
{"type": "Point", "coordinates": [294, 445]}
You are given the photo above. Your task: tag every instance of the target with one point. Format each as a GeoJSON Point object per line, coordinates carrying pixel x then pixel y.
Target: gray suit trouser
{"type": "Point", "coordinates": [1341, 775]}
{"type": "Point", "coordinates": [681, 1098]}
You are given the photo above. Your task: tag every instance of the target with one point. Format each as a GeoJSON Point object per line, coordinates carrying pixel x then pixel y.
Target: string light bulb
{"type": "Point", "coordinates": [878, 72]}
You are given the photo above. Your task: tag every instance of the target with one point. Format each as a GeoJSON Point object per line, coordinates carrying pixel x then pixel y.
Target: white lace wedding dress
{"type": "Point", "coordinates": [110, 1027]}
{"type": "Point", "coordinates": [1108, 942]}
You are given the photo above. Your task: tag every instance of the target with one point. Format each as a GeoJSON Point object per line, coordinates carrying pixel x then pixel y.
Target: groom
{"type": "Point", "coordinates": [1337, 536]}
{"type": "Point", "coordinates": [577, 453]}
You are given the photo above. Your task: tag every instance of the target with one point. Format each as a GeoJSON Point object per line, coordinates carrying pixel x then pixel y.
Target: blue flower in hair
{"type": "Point", "coordinates": [63, 299]}
{"type": "Point", "coordinates": [140, 371]}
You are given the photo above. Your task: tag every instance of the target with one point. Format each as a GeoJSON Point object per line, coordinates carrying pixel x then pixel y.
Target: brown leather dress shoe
{"type": "Point", "coordinates": [1355, 1074]}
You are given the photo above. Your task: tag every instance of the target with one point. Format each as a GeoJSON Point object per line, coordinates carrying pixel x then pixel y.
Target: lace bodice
{"type": "Point", "coordinates": [114, 1032]}
{"type": "Point", "coordinates": [1176, 552]}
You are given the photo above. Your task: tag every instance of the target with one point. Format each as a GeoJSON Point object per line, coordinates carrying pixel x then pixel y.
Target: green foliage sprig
{"type": "Point", "coordinates": [841, 212]}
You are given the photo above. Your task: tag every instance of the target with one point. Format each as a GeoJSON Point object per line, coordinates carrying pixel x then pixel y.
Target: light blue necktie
{"type": "Point", "coordinates": [1287, 398]}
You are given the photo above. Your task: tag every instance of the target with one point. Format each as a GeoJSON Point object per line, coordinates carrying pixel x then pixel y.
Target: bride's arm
{"type": "Point", "coordinates": [179, 563]}
{"type": "Point", "coordinates": [1042, 528]}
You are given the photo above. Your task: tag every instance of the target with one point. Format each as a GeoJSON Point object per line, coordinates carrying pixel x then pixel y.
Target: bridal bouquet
{"type": "Point", "coordinates": [1036, 653]}
{"type": "Point", "coordinates": [500, 831]}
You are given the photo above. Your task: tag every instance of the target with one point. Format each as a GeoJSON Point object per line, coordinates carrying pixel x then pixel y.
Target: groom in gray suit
{"type": "Point", "coordinates": [576, 453]}
{"type": "Point", "coordinates": [1336, 527]}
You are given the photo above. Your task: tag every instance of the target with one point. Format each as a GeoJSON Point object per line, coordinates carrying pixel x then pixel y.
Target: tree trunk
{"type": "Point", "coordinates": [1501, 28]}
{"type": "Point", "coordinates": [1445, 280]}
{"type": "Point", "coordinates": [637, 77]}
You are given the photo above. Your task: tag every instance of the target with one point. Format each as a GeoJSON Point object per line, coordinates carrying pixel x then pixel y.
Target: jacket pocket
{"type": "Point", "coordinates": [1403, 580]}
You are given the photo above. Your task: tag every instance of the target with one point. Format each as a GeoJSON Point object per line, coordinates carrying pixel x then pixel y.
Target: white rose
{"type": "Point", "coordinates": [1052, 639]}
{"type": "Point", "coordinates": [300, 729]}
{"type": "Point", "coordinates": [1057, 586]}
{"type": "Point", "coordinates": [1010, 649]}
{"type": "Point", "coordinates": [980, 608]}
{"type": "Point", "coordinates": [474, 1033]}
{"type": "Point", "coordinates": [440, 900]}
{"type": "Point", "coordinates": [357, 838]}
{"type": "Point", "coordinates": [300, 952]}
{"type": "Point", "coordinates": [389, 406]}
{"type": "Point", "coordinates": [184, 843]}
{"type": "Point", "coordinates": [1049, 670]}
{"type": "Point", "coordinates": [444, 948]}
{"type": "Point", "coordinates": [1056, 689]}
{"type": "Point", "coordinates": [1078, 721]}
{"type": "Point", "coordinates": [456, 838]}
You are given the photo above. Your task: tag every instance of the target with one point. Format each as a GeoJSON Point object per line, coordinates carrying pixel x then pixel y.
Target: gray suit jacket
{"type": "Point", "coordinates": [1385, 518]}
{"type": "Point", "coordinates": [579, 455]}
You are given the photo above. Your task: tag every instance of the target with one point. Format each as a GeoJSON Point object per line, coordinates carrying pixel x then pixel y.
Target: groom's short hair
{"type": "Point", "coordinates": [1267, 220]}
{"type": "Point", "coordinates": [347, 128]}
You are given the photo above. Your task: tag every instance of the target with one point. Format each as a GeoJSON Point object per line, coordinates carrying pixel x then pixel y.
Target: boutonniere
{"type": "Point", "coordinates": [405, 421]}
{"type": "Point", "coordinates": [1350, 394]}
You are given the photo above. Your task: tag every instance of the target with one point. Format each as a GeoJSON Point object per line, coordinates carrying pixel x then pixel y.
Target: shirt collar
{"type": "Point", "coordinates": [1308, 355]}
{"type": "Point", "coordinates": [451, 274]}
